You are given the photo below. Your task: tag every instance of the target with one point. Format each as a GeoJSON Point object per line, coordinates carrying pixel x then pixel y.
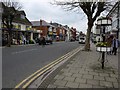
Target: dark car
{"type": "Point", "coordinates": [4, 41]}
{"type": "Point", "coordinates": [48, 40]}
{"type": "Point", "coordinates": [41, 41]}
{"type": "Point", "coordinates": [72, 39]}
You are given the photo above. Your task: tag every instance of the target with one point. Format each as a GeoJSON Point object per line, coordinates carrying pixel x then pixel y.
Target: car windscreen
{"type": "Point", "coordinates": [82, 38]}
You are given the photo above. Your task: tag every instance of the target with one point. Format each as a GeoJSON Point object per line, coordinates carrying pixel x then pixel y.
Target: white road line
{"type": "Point", "coordinates": [23, 51]}
{"type": "Point", "coordinates": [2, 47]}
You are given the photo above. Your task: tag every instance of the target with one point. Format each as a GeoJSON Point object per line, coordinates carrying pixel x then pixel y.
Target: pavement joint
{"type": "Point", "coordinates": [86, 72]}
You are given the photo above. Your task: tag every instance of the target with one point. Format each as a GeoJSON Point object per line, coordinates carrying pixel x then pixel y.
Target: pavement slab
{"type": "Point", "coordinates": [69, 79]}
{"type": "Point", "coordinates": [85, 86]}
{"type": "Point", "coordinates": [81, 80]}
{"type": "Point", "coordinates": [93, 82]}
{"type": "Point", "coordinates": [84, 71]}
{"type": "Point", "coordinates": [60, 82]}
{"type": "Point", "coordinates": [99, 78]}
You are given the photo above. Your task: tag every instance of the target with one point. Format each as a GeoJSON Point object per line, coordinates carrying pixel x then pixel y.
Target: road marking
{"type": "Point", "coordinates": [17, 86]}
{"type": "Point", "coordinates": [42, 70]}
{"type": "Point", "coordinates": [23, 51]}
{"type": "Point", "coordinates": [31, 80]}
{"type": "Point", "coordinates": [2, 47]}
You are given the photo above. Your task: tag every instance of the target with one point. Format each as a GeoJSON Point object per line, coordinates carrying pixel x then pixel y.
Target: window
{"type": "Point", "coordinates": [54, 30]}
{"type": "Point", "coordinates": [60, 30]}
{"type": "Point", "coordinates": [50, 28]}
{"type": "Point", "coordinates": [19, 27]}
{"type": "Point", "coordinates": [22, 16]}
{"type": "Point", "coordinates": [114, 24]}
{"type": "Point", "coordinates": [28, 27]}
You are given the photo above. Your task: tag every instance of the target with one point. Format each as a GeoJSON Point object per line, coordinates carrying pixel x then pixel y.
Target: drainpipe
{"type": "Point", "coordinates": [118, 15]}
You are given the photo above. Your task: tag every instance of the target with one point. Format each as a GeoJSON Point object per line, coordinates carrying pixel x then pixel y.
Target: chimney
{"type": "Point", "coordinates": [40, 22]}
{"type": "Point", "coordinates": [50, 22]}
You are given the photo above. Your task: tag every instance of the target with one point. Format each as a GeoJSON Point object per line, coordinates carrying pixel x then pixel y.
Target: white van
{"type": "Point", "coordinates": [82, 40]}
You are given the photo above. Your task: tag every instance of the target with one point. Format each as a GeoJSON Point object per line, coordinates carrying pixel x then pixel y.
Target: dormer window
{"type": "Point", "coordinates": [22, 16]}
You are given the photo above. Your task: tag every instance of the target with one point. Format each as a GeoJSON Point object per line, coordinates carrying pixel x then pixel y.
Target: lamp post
{"type": "Point", "coordinates": [103, 21]}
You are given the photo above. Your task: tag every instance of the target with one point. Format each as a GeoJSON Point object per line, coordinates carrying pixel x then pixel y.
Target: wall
{"type": "Point", "coordinates": [44, 29]}
{"type": "Point", "coordinates": [23, 27]}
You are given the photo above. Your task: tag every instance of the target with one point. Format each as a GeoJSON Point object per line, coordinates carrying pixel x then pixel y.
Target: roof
{"type": "Point", "coordinates": [56, 24]}
{"type": "Point", "coordinates": [113, 9]}
{"type": "Point", "coordinates": [44, 23]}
{"type": "Point", "coordinates": [17, 18]}
{"type": "Point", "coordinates": [21, 12]}
{"type": "Point", "coordinates": [35, 23]}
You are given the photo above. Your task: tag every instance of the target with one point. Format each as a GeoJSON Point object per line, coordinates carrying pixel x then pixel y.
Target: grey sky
{"type": "Point", "coordinates": [42, 9]}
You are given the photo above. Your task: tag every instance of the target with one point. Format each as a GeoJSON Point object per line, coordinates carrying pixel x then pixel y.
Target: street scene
{"type": "Point", "coordinates": [60, 44]}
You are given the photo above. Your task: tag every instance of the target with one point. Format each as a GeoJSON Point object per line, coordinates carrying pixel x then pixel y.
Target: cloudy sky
{"type": "Point", "coordinates": [42, 9]}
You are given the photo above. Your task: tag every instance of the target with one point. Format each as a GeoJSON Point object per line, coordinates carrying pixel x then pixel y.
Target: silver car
{"type": "Point", "coordinates": [82, 40]}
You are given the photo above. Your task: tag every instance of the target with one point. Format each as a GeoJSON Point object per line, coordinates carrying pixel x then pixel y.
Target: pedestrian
{"type": "Point", "coordinates": [42, 41]}
{"type": "Point", "coordinates": [109, 41]}
{"type": "Point", "coordinates": [115, 44]}
{"type": "Point", "coordinates": [24, 40]}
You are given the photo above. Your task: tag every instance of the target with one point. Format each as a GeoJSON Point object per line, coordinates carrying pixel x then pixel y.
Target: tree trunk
{"type": "Point", "coordinates": [9, 38]}
{"type": "Point", "coordinates": [87, 43]}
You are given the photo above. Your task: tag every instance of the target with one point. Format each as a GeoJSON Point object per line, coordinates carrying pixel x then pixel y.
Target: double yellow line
{"type": "Point", "coordinates": [26, 82]}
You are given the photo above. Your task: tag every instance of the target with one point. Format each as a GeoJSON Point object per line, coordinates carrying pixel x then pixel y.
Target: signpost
{"type": "Point", "coordinates": [104, 21]}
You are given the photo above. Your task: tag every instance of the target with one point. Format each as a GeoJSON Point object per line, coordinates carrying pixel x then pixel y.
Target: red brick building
{"type": "Point", "coordinates": [60, 31]}
{"type": "Point", "coordinates": [73, 32]}
{"type": "Point", "coordinates": [45, 28]}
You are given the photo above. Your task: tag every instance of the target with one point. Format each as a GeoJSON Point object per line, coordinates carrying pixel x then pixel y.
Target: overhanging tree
{"type": "Point", "coordinates": [91, 9]}
{"type": "Point", "coordinates": [9, 12]}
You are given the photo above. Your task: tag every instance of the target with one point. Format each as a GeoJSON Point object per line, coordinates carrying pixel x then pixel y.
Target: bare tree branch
{"type": "Point", "coordinates": [91, 9]}
{"type": "Point", "coordinates": [10, 9]}
{"type": "Point", "coordinates": [12, 3]}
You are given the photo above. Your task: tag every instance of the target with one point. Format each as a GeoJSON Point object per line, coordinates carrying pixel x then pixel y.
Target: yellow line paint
{"type": "Point", "coordinates": [17, 86]}
{"type": "Point", "coordinates": [50, 65]}
{"type": "Point", "coordinates": [30, 81]}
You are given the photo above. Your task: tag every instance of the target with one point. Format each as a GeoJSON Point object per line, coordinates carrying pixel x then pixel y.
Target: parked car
{"type": "Point", "coordinates": [82, 40]}
{"type": "Point", "coordinates": [37, 40]}
{"type": "Point", "coordinates": [48, 40]}
{"type": "Point", "coordinates": [4, 41]}
{"type": "Point", "coordinates": [72, 39]}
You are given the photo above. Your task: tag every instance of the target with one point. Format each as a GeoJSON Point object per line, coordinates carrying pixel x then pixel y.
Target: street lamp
{"type": "Point", "coordinates": [104, 21]}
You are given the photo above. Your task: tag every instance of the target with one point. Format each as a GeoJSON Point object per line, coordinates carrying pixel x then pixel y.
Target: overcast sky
{"type": "Point", "coordinates": [42, 9]}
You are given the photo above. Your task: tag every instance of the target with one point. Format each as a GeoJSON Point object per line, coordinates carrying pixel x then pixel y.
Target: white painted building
{"type": "Point", "coordinates": [114, 14]}
{"type": "Point", "coordinates": [22, 28]}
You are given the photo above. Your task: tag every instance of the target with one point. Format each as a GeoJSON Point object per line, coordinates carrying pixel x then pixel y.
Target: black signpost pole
{"type": "Point", "coordinates": [103, 53]}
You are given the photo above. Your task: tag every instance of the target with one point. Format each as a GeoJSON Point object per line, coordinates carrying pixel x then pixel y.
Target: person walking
{"type": "Point", "coordinates": [115, 45]}
{"type": "Point", "coordinates": [109, 41]}
{"type": "Point", "coordinates": [24, 40]}
{"type": "Point", "coordinates": [42, 41]}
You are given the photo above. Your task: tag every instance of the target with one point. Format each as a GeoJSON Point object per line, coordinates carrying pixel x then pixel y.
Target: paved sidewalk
{"type": "Point", "coordinates": [84, 71]}
{"type": "Point", "coordinates": [18, 45]}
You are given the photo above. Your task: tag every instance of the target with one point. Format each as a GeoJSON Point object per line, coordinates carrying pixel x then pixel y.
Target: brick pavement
{"type": "Point", "coordinates": [84, 71]}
